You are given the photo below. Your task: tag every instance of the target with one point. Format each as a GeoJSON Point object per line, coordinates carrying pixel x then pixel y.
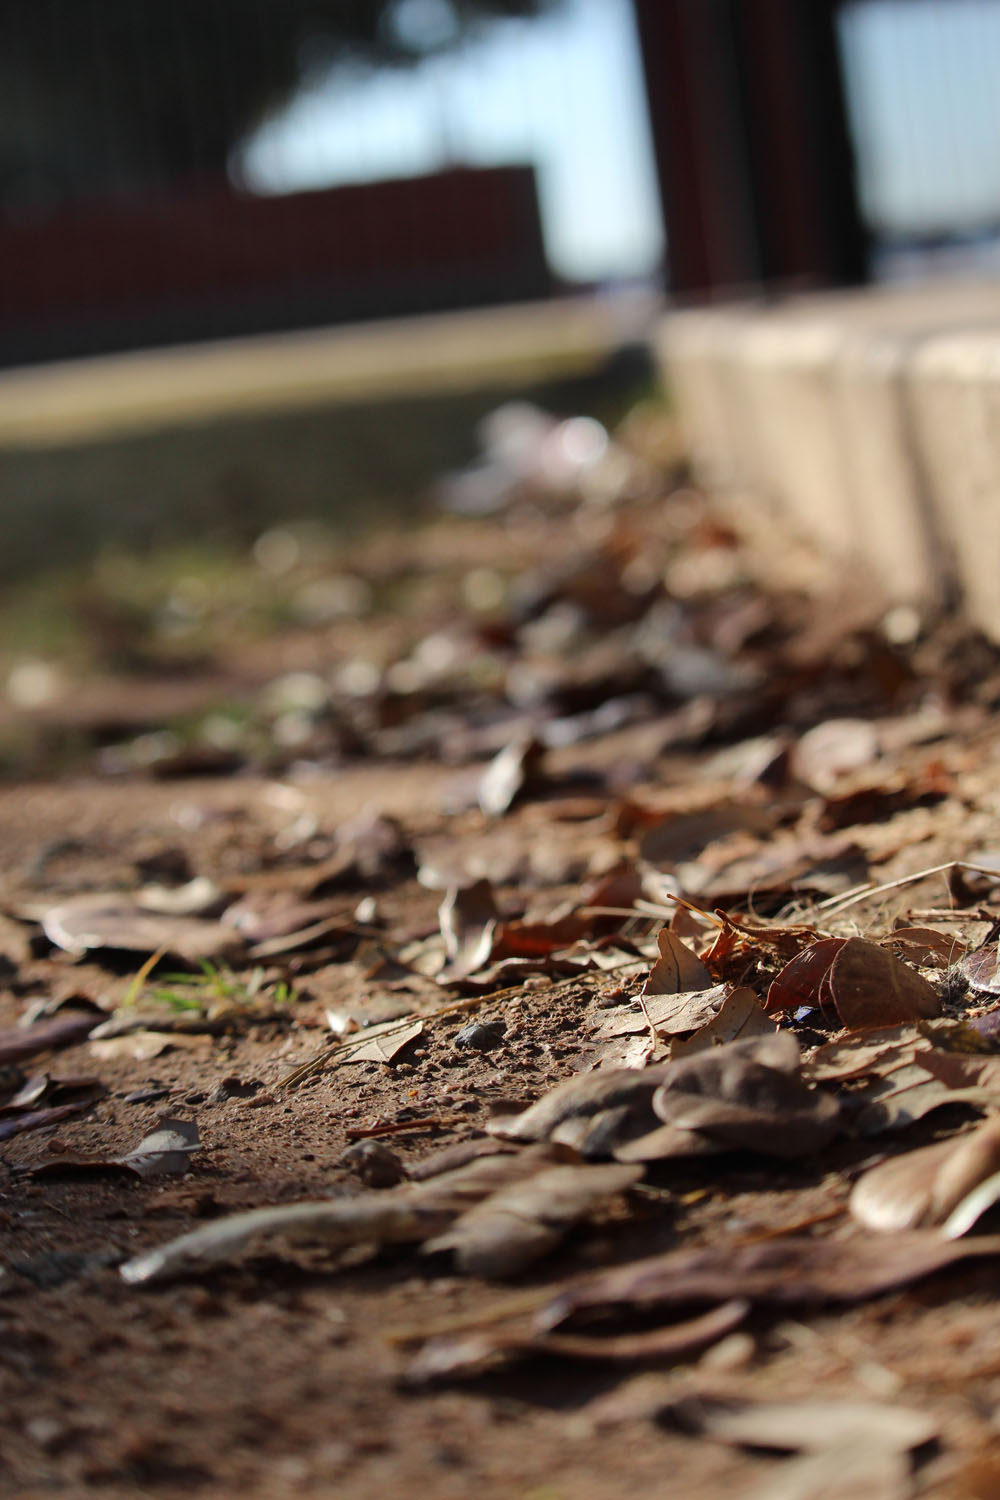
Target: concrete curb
{"type": "Point", "coordinates": [871, 419]}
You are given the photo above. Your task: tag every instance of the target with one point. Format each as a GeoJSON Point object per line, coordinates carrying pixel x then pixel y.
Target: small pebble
{"type": "Point", "coordinates": [481, 1036]}
{"type": "Point", "coordinates": [374, 1163]}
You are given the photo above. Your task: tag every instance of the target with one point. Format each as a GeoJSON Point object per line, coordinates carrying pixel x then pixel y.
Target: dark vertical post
{"type": "Point", "coordinates": [752, 144]}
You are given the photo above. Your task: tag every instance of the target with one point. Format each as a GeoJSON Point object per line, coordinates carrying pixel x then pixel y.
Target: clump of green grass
{"type": "Point", "coordinates": [216, 987]}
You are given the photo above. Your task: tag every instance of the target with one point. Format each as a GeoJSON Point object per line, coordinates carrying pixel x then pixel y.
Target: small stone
{"type": "Point", "coordinates": [481, 1036]}
{"type": "Point", "coordinates": [374, 1163]}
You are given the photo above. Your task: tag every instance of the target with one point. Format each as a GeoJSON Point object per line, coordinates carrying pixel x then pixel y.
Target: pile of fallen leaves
{"type": "Point", "coordinates": [724, 832]}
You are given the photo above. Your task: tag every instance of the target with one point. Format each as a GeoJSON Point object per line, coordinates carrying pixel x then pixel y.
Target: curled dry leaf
{"type": "Point", "coordinates": [519, 1224]}
{"type": "Point", "coordinates": [409, 1213]}
{"type": "Point", "coordinates": [741, 1096]}
{"type": "Point", "coordinates": [164, 1153]}
{"type": "Point", "coordinates": [468, 918]}
{"type": "Point", "coordinates": [582, 1098]}
{"type": "Point", "coordinates": [116, 921]}
{"type": "Point", "coordinates": [936, 1184]}
{"type": "Point", "coordinates": [509, 773]}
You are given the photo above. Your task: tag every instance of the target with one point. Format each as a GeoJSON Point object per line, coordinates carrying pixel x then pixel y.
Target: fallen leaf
{"type": "Point", "coordinates": [508, 774]}
{"type": "Point", "coordinates": [582, 1098]}
{"type": "Point", "coordinates": [142, 1046]}
{"type": "Point", "coordinates": [379, 1043]}
{"type": "Point", "coordinates": [677, 969]}
{"type": "Point", "coordinates": [832, 1474]}
{"type": "Point", "coordinates": [806, 1426]}
{"type": "Point", "coordinates": [166, 1152]}
{"type": "Point", "coordinates": [740, 1016]}
{"type": "Point", "coordinates": [741, 1096]}
{"type": "Point", "coordinates": [469, 1353]}
{"type": "Point", "coordinates": [684, 836]}
{"type": "Point", "coordinates": [982, 968]}
{"type": "Point", "coordinates": [468, 917]}
{"type": "Point", "coordinates": [39, 1119]}
{"type": "Point", "coordinates": [669, 1014]}
{"type": "Point", "coordinates": [831, 749]}
{"type": "Point", "coordinates": [776, 1273]}
{"type": "Point", "coordinates": [870, 987]}
{"type": "Point", "coordinates": [881, 1051]}
{"type": "Point", "coordinates": [925, 946]}
{"type": "Point", "coordinates": [409, 1213]}
{"type": "Point", "coordinates": [118, 921]}
{"type": "Point", "coordinates": [932, 1185]}
{"type": "Point", "coordinates": [798, 986]}
{"type": "Point", "coordinates": [519, 1224]}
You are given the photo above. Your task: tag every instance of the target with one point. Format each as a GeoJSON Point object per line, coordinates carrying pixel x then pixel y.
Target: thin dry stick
{"type": "Point", "coordinates": [837, 904]}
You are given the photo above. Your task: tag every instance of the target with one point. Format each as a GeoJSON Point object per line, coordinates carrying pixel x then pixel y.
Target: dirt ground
{"type": "Point", "coordinates": [858, 746]}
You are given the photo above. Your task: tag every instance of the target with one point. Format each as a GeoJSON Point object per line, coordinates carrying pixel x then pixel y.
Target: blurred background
{"type": "Point", "coordinates": [276, 262]}
{"type": "Point", "coordinates": [221, 167]}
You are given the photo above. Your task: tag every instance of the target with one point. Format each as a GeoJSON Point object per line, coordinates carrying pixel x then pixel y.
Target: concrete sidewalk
{"type": "Point", "coordinates": [871, 418]}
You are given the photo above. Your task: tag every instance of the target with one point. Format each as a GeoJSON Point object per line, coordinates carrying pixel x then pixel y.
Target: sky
{"type": "Point", "coordinates": [566, 92]}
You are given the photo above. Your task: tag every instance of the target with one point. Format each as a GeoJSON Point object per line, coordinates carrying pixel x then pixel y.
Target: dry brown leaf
{"type": "Point", "coordinates": [118, 921]}
{"type": "Point", "coordinates": [926, 1187]}
{"type": "Point", "coordinates": [881, 1051]}
{"type": "Point", "coordinates": [669, 1014]}
{"type": "Point", "coordinates": [740, 1016]}
{"type": "Point", "coordinates": [982, 968]}
{"type": "Point", "coordinates": [509, 773]}
{"type": "Point", "coordinates": [741, 1096]}
{"type": "Point", "coordinates": [519, 1224]}
{"type": "Point", "coordinates": [379, 1043]}
{"type": "Point", "coordinates": [19, 1044]}
{"type": "Point", "coordinates": [410, 1213]}
{"type": "Point", "coordinates": [469, 1353]}
{"type": "Point", "coordinates": [582, 1098]}
{"type": "Point", "coordinates": [870, 987]}
{"type": "Point", "coordinates": [799, 983]}
{"type": "Point", "coordinates": [468, 918]}
{"type": "Point", "coordinates": [777, 1273]}
{"type": "Point", "coordinates": [925, 946]}
{"type": "Point", "coordinates": [807, 1426]}
{"type": "Point", "coordinates": [39, 1119]}
{"type": "Point", "coordinates": [678, 969]}
{"type": "Point", "coordinates": [685, 836]}
{"type": "Point", "coordinates": [166, 1152]}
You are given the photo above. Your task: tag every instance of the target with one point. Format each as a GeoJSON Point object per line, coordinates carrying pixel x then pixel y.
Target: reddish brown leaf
{"type": "Point", "coordinates": [870, 987]}
{"type": "Point", "coordinates": [799, 982]}
{"type": "Point", "coordinates": [925, 946]}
